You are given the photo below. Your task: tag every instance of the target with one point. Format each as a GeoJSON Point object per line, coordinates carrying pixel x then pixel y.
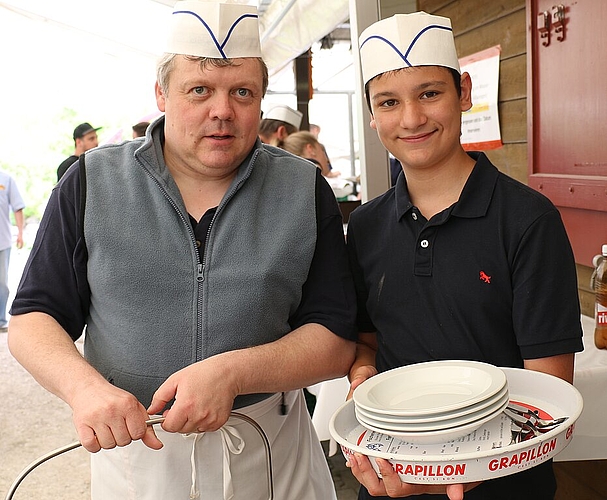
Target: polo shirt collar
{"type": "Point", "coordinates": [401, 194]}
{"type": "Point", "coordinates": [476, 195]}
{"type": "Point", "coordinates": [478, 190]}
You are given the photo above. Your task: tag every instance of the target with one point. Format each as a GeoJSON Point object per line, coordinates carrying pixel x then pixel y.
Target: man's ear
{"type": "Point", "coordinates": [466, 97]}
{"type": "Point", "coordinates": [160, 98]}
{"type": "Point", "coordinates": [281, 132]}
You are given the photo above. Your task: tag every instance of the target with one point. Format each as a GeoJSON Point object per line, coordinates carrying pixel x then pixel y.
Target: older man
{"type": "Point", "coordinates": [205, 282]}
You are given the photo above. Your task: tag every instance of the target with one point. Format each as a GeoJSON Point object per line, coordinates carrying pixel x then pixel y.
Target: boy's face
{"type": "Point", "coordinates": [417, 114]}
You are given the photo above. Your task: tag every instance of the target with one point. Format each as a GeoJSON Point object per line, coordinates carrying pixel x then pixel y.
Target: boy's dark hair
{"type": "Point", "coordinates": [455, 74]}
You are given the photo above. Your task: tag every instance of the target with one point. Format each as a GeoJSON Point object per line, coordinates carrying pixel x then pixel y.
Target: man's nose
{"type": "Point", "coordinates": [222, 107]}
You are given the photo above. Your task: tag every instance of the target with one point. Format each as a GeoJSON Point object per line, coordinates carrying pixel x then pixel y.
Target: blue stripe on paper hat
{"type": "Point", "coordinates": [208, 28]}
{"type": "Point", "coordinates": [406, 40]}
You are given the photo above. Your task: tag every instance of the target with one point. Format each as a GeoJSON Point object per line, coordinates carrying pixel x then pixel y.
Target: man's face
{"type": "Point", "coordinates": [89, 141]}
{"type": "Point", "coordinates": [417, 114]}
{"type": "Point", "coordinates": [211, 115]}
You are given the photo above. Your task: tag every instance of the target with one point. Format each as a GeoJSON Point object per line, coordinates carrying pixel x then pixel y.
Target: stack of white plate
{"type": "Point", "coordinates": [432, 402]}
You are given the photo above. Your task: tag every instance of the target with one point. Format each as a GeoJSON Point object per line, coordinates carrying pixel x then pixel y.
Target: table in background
{"type": "Point", "coordinates": [590, 437]}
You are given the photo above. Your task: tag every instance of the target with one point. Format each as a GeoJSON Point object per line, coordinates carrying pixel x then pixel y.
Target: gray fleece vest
{"type": "Point", "coordinates": [155, 308]}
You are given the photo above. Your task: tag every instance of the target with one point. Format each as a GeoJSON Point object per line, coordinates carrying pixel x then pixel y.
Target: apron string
{"type": "Point", "coordinates": [232, 443]}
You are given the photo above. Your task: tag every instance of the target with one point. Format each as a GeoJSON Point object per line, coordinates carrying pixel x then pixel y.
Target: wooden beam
{"type": "Point", "coordinates": [303, 86]}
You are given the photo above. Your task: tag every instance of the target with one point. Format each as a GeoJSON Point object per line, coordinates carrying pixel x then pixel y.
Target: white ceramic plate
{"type": "Point", "coordinates": [441, 435]}
{"type": "Point", "coordinates": [436, 417]}
{"type": "Point", "coordinates": [429, 388]}
{"type": "Point", "coordinates": [486, 453]}
{"type": "Point", "coordinates": [402, 429]}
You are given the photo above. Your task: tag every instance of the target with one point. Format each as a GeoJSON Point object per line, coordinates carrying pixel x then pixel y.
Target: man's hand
{"type": "Point", "coordinates": [204, 394]}
{"type": "Point", "coordinates": [106, 417]}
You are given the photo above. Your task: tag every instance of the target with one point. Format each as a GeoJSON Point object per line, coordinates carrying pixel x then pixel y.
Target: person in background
{"type": "Point", "coordinates": [306, 145]}
{"type": "Point", "coordinates": [457, 261]}
{"type": "Point", "coordinates": [139, 129]}
{"type": "Point", "coordinates": [10, 200]}
{"type": "Point", "coordinates": [85, 138]}
{"type": "Point", "coordinates": [315, 131]}
{"type": "Point", "coordinates": [279, 122]}
{"type": "Point", "coordinates": [206, 284]}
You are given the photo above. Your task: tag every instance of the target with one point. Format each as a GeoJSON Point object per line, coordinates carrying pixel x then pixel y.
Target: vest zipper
{"type": "Point", "coordinates": [199, 265]}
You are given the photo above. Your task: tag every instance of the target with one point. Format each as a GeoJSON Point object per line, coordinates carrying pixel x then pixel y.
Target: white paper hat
{"type": "Point", "coordinates": [209, 28]}
{"type": "Point", "coordinates": [285, 114]}
{"type": "Point", "coordinates": [405, 40]}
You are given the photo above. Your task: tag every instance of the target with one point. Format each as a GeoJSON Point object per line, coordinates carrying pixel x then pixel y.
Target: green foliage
{"type": "Point", "coordinates": [35, 169]}
{"type": "Point", "coordinates": [38, 145]}
{"type": "Point", "coordinates": [35, 184]}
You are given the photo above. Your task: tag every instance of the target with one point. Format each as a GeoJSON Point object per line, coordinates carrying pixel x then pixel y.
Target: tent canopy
{"type": "Point", "coordinates": [288, 27]}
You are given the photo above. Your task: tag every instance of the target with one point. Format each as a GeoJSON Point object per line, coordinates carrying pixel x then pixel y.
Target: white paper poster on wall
{"type": "Point", "coordinates": [481, 125]}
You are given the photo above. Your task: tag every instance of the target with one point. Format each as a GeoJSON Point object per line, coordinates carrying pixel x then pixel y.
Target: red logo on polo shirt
{"type": "Point", "coordinates": [484, 277]}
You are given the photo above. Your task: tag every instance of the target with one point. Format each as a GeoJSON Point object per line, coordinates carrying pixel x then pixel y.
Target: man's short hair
{"type": "Point", "coordinates": [166, 63]}
{"type": "Point", "coordinates": [140, 128]}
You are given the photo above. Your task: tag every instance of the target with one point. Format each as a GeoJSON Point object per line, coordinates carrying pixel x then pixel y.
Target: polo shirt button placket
{"type": "Point", "coordinates": [423, 258]}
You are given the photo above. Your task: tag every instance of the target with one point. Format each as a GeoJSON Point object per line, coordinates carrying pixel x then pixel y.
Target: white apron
{"type": "Point", "coordinates": [228, 464]}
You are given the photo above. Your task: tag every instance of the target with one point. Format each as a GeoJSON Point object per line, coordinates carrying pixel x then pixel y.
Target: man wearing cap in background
{"type": "Point", "coordinates": [457, 261]}
{"type": "Point", "coordinates": [139, 129]}
{"type": "Point", "coordinates": [206, 285]}
{"type": "Point", "coordinates": [85, 138]}
{"type": "Point", "coordinates": [279, 122]}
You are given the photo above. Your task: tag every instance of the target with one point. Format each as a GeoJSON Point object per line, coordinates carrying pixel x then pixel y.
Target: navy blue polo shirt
{"type": "Point", "coordinates": [491, 278]}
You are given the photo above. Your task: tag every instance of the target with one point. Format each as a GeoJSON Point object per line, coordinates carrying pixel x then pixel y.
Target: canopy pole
{"type": "Point", "coordinates": [374, 162]}
{"type": "Point", "coordinates": [278, 20]}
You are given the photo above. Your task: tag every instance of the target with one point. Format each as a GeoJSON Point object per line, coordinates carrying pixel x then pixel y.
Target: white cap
{"type": "Point", "coordinates": [209, 28]}
{"type": "Point", "coordinates": [284, 114]}
{"type": "Point", "coordinates": [406, 40]}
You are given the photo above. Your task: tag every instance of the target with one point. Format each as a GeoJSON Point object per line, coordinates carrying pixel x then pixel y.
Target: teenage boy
{"type": "Point", "coordinates": [457, 261]}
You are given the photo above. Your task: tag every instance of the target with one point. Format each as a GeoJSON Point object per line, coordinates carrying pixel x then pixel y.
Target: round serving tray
{"type": "Point", "coordinates": [483, 454]}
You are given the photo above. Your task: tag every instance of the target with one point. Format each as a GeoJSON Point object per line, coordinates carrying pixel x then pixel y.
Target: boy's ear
{"type": "Point", "coordinates": [466, 97]}
{"type": "Point", "coordinates": [372, 122]}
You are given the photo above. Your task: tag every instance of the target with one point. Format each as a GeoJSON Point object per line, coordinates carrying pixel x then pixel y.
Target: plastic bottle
{"type": "Point", "coordinates": [600, 308]}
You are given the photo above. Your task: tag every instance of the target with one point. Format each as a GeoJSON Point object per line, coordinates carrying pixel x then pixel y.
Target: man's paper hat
{"type": "Point", "coordinates": [209, 28]}
{"type": "Point", "coordinates": [406, 40]}
{"type": "Point", "coordinates": [284, 114]}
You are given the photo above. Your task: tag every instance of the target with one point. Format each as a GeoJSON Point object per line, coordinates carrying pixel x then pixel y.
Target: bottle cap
{"type": "Point", "coordinates": [604, 250]}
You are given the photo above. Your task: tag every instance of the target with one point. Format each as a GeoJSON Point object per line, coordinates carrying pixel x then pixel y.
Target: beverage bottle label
{"type": "Point", "coordinates": [601, 315]}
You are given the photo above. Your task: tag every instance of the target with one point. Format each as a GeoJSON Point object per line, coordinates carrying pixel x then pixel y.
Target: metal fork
{"type": "Point", "coordinates": [523, 422]}
{"type": "Point", "coordinates": [515, 432]}
{"type": "Point", "coordinates": [540, 423]}
{"type": "Point", "coordinates": [518, 433]}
